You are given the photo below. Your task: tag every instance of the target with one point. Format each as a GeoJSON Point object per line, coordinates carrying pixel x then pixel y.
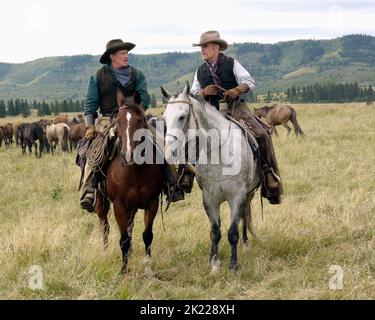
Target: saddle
{"type": "Point", "coordinates": [246, 129]}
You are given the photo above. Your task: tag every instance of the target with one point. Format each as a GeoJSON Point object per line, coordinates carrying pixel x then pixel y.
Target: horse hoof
{"type": "Point", "coordinates": [215, 267]}
{"type": "Point", "coordinates": [148, 271]}
{"type": "Point", "coordinates": [245, 245]}
{"type": "Point", "coordinates": [233, 266]}
{"type": "Point", "coordinates": [124, 271]}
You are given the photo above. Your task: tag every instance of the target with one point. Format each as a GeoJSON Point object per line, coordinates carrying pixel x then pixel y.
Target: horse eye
{"type": "Point", "coordinates": [181, 118]}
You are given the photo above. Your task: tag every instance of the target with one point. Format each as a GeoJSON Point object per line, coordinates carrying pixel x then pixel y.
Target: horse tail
{"type": "Point", "coordinates": [248, 220]}
{"type": "Point", "coordinates": [294, 121]}
{"type": "Point", "coordinates": [65, 137]}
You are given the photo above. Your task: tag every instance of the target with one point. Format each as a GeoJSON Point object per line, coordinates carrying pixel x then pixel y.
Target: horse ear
{"type": "Point", "coordinates": [120, 98]}
{"type": "Point", "coordinates": [165, 93]}
{"type": "Point", "coordinates": [186, 91]}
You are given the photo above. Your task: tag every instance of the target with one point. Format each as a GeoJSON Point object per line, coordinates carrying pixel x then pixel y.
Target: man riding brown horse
{"type": "Point", "coordinates": [223, 79]}
{"type": "Point", "coordinates": [102, 93]}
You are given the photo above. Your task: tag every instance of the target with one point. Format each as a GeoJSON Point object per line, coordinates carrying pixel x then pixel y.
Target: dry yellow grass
{"type": "Point", "coordinates": [327, 218]}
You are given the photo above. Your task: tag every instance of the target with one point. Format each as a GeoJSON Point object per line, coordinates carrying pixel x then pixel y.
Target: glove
{"type": "Point", "coordinates": [210, 90]}
{"type": "Point", "coordinates": [90, 133]}
{"type": "Point", "coordinates": [231, 94]}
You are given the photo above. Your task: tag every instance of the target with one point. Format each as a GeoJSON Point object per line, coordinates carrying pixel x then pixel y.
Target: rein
{"type": "Point", "coordinates": [139, 113]}
{"type": "Point", "coordinates": [191, 111]}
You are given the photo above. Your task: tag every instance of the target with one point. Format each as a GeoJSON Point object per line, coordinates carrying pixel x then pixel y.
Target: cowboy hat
{"type": "Point", "coordinates": [212, 37]}
{"type": "Point", "coordinates": [113, 46]}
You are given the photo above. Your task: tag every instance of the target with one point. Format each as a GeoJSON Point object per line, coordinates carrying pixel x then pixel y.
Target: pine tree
{"type": "Point", "coordinates": [269, 96]}
{"type": "Point", "coordinates": [370, 96]}
{"type": "Point", "coordinates": [77, 106]}
{"type": "Point", "coordinates": [2, 109]}
{"type": "Point", "coordinates": [153, 101]}
{"type": "Point", "coordinates": [25, 110]}
{"type": "Point", "coordinates": [17, 106]}
{"type": "Point", "coordinates": [10, 108]}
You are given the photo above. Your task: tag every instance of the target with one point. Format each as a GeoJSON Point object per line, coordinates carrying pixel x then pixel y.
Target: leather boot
{"type": "Point", "coordinates": [87, 202]}
{"type": "Point", "coordinates": [271, 186]}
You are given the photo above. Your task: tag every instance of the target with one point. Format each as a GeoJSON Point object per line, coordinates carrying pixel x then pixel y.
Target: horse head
{"type": "Point", "coordinates": [130, 119]}
{"type": "Point", "coordinates": [178, 119]}
{"type": "Point", "coordinates": [262, 112]}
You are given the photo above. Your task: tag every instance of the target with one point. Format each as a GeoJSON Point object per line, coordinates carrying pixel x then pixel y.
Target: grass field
{"type": "Point", "coordinates": [327, 218]}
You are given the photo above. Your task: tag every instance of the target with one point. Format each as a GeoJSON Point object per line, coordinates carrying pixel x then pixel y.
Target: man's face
{"type": "Point", "coordinates": [120, 59]}
{"type": "Point", "coordinates": [210, 51]}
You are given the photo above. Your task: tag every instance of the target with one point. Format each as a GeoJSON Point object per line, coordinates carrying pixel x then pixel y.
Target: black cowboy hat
{"type": "Point", "coordinates": [113, 46]}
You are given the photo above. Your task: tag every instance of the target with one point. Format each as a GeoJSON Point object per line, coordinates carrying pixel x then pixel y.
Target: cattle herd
{"type": "Point", "coordinates": [63, 130]}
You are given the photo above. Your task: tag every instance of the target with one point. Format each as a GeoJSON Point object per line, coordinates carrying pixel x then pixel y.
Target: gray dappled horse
{"type": "Point", "coordinates": [234, 177]}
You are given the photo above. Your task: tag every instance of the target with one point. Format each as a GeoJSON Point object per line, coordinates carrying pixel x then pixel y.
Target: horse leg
{"type": "Point", "coordinates": [149, 217]}
{"type": "Point", "coordinates": [237, 206]}
{"type": "Point", "coordinates": [130, 228]}
{"type": "Point", "coordinates": [122, 218]}
{"type": "Point", "coordinates": [213, 213]}
{"type": "Point", "coordinates": [245, 239]}
{"type": "Point", "coordinates": [102, 208]}
{"type": "Point", "coordinates": [247, 222]}
{"type": "Point", "coordinates": [285, 125]}
{"type": "Point", "coordinates": [53, 147]}
{"type": "Point", "coordinates": [40, 148]}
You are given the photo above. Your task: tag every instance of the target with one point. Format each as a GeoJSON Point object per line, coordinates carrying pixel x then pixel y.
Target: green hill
{"type": "Point", "coordinates": [275, 67]}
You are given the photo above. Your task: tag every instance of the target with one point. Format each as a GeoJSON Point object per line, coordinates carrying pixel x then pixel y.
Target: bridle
{"type": "Point", "coordinates": [191, 113]}
{"type": "Point", "coordinates": [139, 112]}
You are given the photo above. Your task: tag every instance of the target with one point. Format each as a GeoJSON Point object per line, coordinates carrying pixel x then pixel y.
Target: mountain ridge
{"type": "Point", "coordinates": [275, 67]}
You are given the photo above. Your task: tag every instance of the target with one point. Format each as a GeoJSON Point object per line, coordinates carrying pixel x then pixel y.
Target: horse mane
{"type": "Point", "coordinates": [137, 109]}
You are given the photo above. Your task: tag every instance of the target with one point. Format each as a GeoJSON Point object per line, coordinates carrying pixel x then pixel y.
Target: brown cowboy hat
{"type": "Point", "coordinates": [212, 37]}
{"type": "Point", "coordinates": [113, 46]}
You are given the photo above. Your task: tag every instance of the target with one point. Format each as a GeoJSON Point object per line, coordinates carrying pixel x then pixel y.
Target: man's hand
{"type": "Point", "coordinates": [90, 133]}
{"type": "Point", "coordinates": [231, 94]}
{"type": "Point", "coordinates": [210, 90]}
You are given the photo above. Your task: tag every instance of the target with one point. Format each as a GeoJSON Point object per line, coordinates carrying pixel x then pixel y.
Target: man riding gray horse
{"type": "Point", "coordinates": [223, 79]}
{"type": "Point", "coordinates": [102, 93]}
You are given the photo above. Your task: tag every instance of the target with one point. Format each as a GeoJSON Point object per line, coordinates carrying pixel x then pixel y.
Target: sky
{"type": "Point", "coordinates": [32, 29]}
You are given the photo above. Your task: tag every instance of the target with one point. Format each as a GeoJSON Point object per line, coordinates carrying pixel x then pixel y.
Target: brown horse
{"type": "Point", "coordinates": [8, 134]}
{"type": "Point", "coordinates": [2, 135]}
{"type": "Point", "coordinates": [76, 133]}
{"type": "Point", "coordinates": [75, 120]}
{"type": "Point", "coordinates": [276, 115]}
{"type": "Point", "coordinates": [17, 133]}
{"type": "Point", "coordinates": [58, 134]}
{"type": "Point", "coordinates": [61, 119]}
{"type": "Point", "coordinates": [130, 186]}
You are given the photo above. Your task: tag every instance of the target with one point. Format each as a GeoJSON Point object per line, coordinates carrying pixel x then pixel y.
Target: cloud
{"type": "Point", "coordinates": [42, 28]}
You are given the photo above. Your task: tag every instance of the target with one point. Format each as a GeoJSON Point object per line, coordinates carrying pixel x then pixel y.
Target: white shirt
{"type": "Point", "coordinates": [240, 73]}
